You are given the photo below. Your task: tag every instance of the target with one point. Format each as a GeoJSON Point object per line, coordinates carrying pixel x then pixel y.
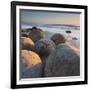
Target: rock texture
{"type": "Point", "coordinates": [44, 47]}
{"type": "Point", "coordinates": [36, 34]}
{"type": "Point", "coordinates": [27, 43]}
{"type": "Point", "coordinates": [58, 38]}
{"type": "Point", "coordinates": [30, 65]}
{"type": "Point", "coordinates": [64, 61]}
{"type": "Point", "coordinates": [25, 33]}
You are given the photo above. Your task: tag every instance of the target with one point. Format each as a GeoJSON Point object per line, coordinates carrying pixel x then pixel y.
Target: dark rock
{"type": "Point", "coordinates": [74, 38]}
{"type": "Point", "coordinates": [64, 61]}
{"type": "Point", "coordinates": [68, 32]}
{"type": "Point", "coordinates": [44, 47]}
{"type": "Point", "coordinates": [34, 28]}
{"type": "Point", "coordinates": [58, 38]}
{"type": "Point", "coordinates": [30, 65]}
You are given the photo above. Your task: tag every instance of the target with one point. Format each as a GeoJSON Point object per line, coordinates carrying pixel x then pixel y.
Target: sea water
{"type": "Point", "coordinates": [73, 37]}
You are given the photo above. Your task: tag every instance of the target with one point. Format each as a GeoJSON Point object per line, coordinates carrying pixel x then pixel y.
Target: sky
{"type": "Point", "coordinates": [45, 17]}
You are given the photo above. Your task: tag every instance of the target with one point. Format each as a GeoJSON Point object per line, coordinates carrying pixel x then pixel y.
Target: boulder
{"type": "Point", "coordinates": [36, 34]}
{"type": "Point", "coordinates": [44, 47]}
{"type": "Point", "coordinates": [27, 43]}
{"type": "Point", "coordinates": [30, 65]}
{"type": "Point", "coordinates": [25, 33]}
{"type": "Point", "coordinates": [34, 28]}
{"type": "Point", "coordinates": [64, 61]}
{"type": "Point", "coordinates": [58, 38]}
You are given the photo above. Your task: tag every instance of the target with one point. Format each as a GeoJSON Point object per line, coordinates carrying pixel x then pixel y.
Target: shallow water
{"type": "Point", "coordinates": [73, 34]}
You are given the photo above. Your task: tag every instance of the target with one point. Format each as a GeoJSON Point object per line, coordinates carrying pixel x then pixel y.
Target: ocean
{"type": "Point", "coordinates": [73, 37]}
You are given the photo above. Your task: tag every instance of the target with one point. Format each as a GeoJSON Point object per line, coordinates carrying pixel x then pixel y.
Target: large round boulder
{"type": "Point", "coordinates": [64, 61]}
{"type": "Point", "coordinates": [44, 47]}
{"type": "Point", "coordinates": [30, 65]}
{"type": "Point", "coordinates": [27, 43]}
{"type": "Point", "coordinates": [58, 38]}
{"type": "Point", "coordinates": [36, 34]}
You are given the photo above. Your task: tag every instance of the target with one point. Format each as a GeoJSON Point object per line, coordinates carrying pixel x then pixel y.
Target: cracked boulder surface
{"type": "Point", "coordinates": [30, 65]}
{"type": "Point", "coordinates": [44, 47]}
{"type": "Point", "coordinates": [64, 61]}
{"type": "Point", "coordinates": [27, 43]}
{"type": "Point", "coordinates": [58, 38]}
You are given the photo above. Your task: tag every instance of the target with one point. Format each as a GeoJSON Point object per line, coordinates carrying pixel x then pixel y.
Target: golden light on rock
{"type": "Point", "coordinates": [27, 41]}
{"type": "Point", "coordinates": [74, 48]}
{"type": "Point", "coordinates": [30, 58]}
